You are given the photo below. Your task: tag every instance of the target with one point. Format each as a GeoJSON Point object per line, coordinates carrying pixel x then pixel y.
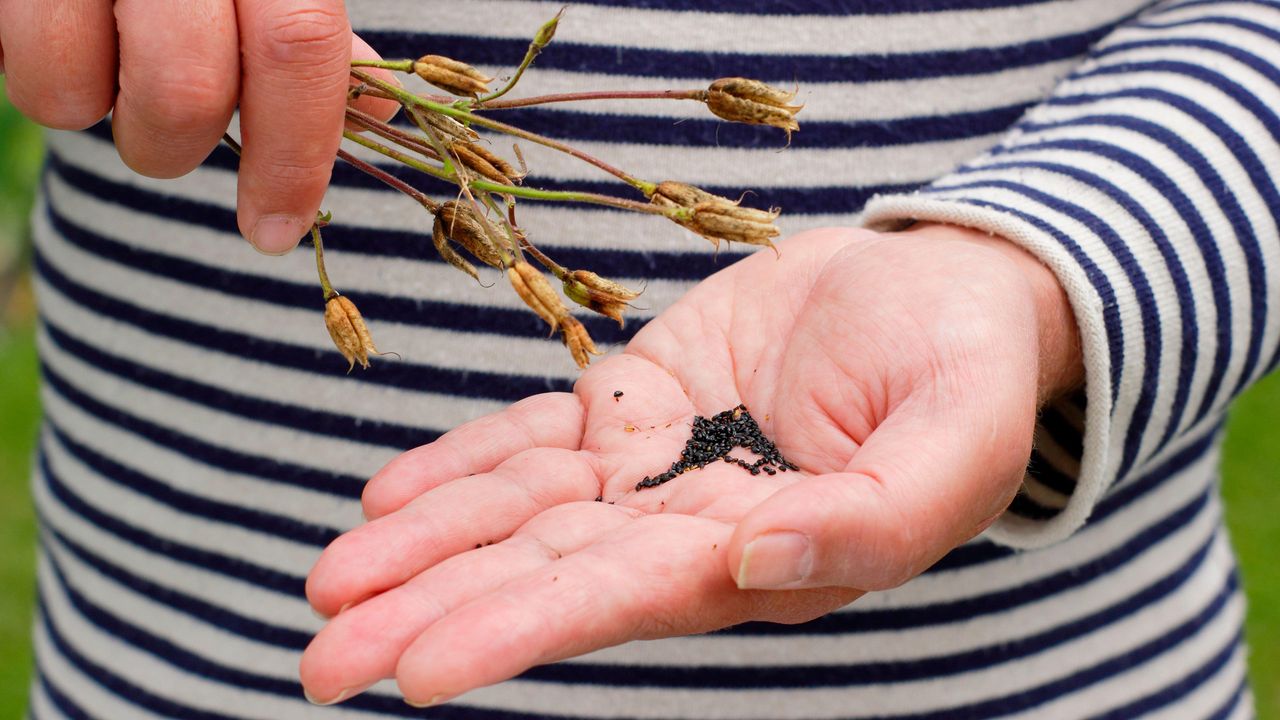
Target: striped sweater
{"type": "Point", "coordinates": [202, 442]}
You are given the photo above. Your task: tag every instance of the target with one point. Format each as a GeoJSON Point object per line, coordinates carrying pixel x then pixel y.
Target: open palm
{"type": "Point", "coordinates": [901, 373]}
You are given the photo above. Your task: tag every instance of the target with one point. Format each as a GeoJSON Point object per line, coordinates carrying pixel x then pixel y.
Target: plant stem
{"type": "Point", "coordinates": [540, 40]}
{"type": "Point", "coordinates": [405, 66]}
{"type": "Point", "coordinates": [388, 132]}
{"type": "Point", "coordinates": [699, 95]}
{"type": "Point", "coordinates": [325, 285]}
{"type": "Point", "coordinates": [468, 117]}
{"type": "Point", "coordinates": [517, 190]}
{"type": "Point", "coordinates": [389, 179]}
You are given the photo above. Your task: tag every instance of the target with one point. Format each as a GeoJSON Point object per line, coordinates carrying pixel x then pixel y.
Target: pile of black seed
{"type": "Point", "coordinates": [715, 438]}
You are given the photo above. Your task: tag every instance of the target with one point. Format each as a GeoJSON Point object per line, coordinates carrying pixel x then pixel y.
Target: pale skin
{"type": "Point", "coordinates": [901, 372]}
{"type": "Point", "coordinates": [172, 73]}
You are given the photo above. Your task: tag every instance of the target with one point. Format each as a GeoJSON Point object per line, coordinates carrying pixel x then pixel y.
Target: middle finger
{"type": "Point", "coordinates": [179, 76]}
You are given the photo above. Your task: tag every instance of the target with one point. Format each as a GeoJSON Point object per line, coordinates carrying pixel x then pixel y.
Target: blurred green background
{"type": "Point", "coordinates": [1251, 470]}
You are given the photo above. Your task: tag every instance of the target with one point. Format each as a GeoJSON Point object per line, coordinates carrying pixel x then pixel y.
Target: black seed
{"type": "Point", "coordinates": [616, 394]}
{"type": "Point", "coordinates": [713, 439]}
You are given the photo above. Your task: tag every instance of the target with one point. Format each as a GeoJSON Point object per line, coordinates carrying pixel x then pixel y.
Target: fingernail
{"type": "Point", "coordinates": [277, 234]}
{"type": "Point", "coordinates": [774, 560]}
{"type": "Point", "coordinates": [346, 693]}
{"type": "Point", "coordinates": [435, 700]}
{"type": "Point", "coordinates": [321, 616]}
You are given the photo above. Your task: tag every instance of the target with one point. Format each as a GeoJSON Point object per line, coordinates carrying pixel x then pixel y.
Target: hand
{"type": "Point", "coordinates": [901, 373]}
{"type": "Point", "coordinates": [182, 67]}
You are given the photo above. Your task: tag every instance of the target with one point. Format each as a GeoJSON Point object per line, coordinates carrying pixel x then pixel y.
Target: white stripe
{"type": "Point", "coordinates": [233, 595]}
{"type": "Point", "coordinates": [1211, 696]}
{"type": "Point", "coordinates": [169, 525]}
{"type": "Point", "coordinates": [227, 430]}
{"type": "Point", "coordinates": [784, 33]}
{"type": "Point", "coordinates": [190, 476]}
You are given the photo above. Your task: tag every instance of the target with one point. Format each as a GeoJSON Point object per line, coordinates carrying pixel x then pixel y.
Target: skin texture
{"type": "Point", "coordinates": [902, 373]}
{"type": "Point", "coordinates": [173, 74]}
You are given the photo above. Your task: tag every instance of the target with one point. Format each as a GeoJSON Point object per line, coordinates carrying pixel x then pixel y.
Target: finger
{"type": "Point", "coordinates": [362, 645]}
{"type": "Point", "coordinates": [60, 60]}
{"type": "Point", "coordinates": [380, 108]}
{"type": "Point", "coordinates": [446, 521]}
{"type": "Point", "coordinates": [923, 483]}
{"type": "Point", "coordinates": [179, 76]}
{"type": "Point", "coordinates": [296, 60]}
{"type": "Point", "coordinates": [549, 420]}
{"type": "Point", "coordinates": [660, 576]}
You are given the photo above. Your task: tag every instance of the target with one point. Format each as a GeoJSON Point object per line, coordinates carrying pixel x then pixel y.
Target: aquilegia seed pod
{"type": "Point", "coordinates": [348, 331]}
{"type": "Point", "coordinates": [452, 76]}
{"type": "Point", "coordinates": [753, 102]}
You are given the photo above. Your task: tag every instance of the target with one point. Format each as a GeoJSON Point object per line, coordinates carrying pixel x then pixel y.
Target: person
{"type": "Point", "coordinates": [1050, 236]}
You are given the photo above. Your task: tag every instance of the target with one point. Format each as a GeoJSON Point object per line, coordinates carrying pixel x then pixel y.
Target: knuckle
{"type": "Point", "coordinates": [188, 96]}
{"type": "Point", "coordinates": [306, 34]}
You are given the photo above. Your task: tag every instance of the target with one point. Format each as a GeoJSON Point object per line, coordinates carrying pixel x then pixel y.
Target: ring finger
{"type": "Point", "coordinates": [59, 59]}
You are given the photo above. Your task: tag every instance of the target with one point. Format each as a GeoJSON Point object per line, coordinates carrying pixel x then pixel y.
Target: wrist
{"type": "Point", "coordinates": [1061, 364]}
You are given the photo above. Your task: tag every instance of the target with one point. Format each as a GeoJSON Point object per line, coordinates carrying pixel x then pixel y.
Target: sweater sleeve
{"type": "Point", "coordinates": [1148, 183]}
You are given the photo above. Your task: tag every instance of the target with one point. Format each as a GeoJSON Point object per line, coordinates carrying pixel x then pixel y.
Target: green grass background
{"type": "Point", "coordinates": [1251, 468]}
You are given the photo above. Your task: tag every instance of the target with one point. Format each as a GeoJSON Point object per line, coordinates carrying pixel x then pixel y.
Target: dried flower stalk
{"type": "Point", "coordinates": [447, 148]}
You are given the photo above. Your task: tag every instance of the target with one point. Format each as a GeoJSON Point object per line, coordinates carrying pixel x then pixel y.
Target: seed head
{"type": "Point", "coordinates": [479, 160]}
{"type": "Point", "coordinates": [579, 342]}
{"type": "Point", "coordinates": [348, 331]}
{"type": "Point", "coordinates": [536, 292]}
{"type": "Point", "coordinates": [446, 126]}
{"type": "Point", "coordinates": [455, 78]}
{"type": "Point", "coordinates": [753, 102]}
{"type": "Point", "coordinates": [457, 222]}
{"type": "Point", "coordinates": [715, 217]}
{"type": "Point", "coordinates": [596, 293]}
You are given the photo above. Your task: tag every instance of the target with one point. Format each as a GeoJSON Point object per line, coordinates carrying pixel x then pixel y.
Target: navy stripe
{"type": "Point", "coordinates": [814, 200]}
{"type": "Point", "coordinates": [764, 676]}
{"type": "Point", "coordinates": [232, 567]}
{"type": "Point", "coordinates": [246, 517]}
{"type": "Point", "coordinates": [401, 374]}
{"type": "Point", "coordinates": [814, 134]}
{"type": "Point", "coordinates": [776, 68]}
{"type": "Point", "coordinates": [1209, 250]}
{"type": "Point", "coordinates": [198, 608]}
{"type": "Point", "coordinates": [59, 699]}
{"type": "Point", "coordinates": [1259, 302]}
{"type": "Point", "coordinates": [1152, 331]}
{"type": "Point", "coordinates": [1229, 707]}
{"type": "Point", "coordinates": [1177, 691]}
{"type": "Point", "coordinates": [257, 466]}
{"type": "Point", "coordinates": [347, 427]}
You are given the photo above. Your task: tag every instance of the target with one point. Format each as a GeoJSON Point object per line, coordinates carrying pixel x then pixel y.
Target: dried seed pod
{"type": "Point", "coordinates": [536, 292]}
{"type": "Point", "coordinates": [732, 222]}
{"type": "Point", "coordinates": [578, 340]}
{"type": "Point", "coordinates": [753, 102]}
{"type": "Point", "coordinates": [678, 194]}
{"type": "Point", "coordinates": [596, 293]}
{"type": "Point", "coordinates": [480, 161]}
{"type": "Point", "coordinates": [455, 78]}
{"type": "Point", "coordinates": [348, 331]}
{"type": "Point", "coordinates": [715, 217]}
{"type": "Point", "coordinates": [446, 126]}
{"type": "Point", "coordinates": [457, 222]}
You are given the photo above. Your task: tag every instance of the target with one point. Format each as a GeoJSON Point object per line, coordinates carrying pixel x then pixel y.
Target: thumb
{"type": "Point", "coordinates": [919, 486]}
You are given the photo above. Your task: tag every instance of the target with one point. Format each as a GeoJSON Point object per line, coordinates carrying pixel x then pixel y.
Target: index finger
{"type": "Point", "coordinates": [296, 63]}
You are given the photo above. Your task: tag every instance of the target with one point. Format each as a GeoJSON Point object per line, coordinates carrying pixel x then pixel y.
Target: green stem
{"type": "Point", "coordinates": [540, 41]}
{"type": "Point", "coordinates": [325, 285]}
{"type": "Point", "coordinates": [388, 132]}
{"type": "Point", "coordinates": [517, 190]}
{"type": "Point", "coordinates": [405, 66]}
{"type": "Point", "coordinates": [468, 117]}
